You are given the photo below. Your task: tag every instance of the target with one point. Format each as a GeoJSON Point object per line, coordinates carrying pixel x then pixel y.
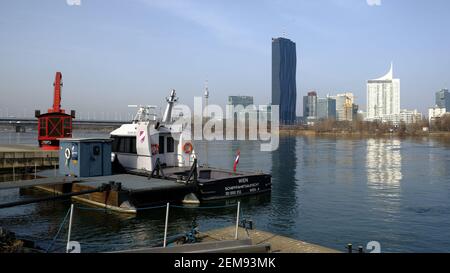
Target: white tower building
{"type": "Point", "coordinates": [383, 98]}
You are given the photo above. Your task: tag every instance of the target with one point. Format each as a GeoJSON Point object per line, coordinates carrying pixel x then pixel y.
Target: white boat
{"type": "Point", "coordinates": [159, 147]}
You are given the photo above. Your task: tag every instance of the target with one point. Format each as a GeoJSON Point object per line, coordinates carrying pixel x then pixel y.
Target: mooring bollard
{"type": "Point", "coordinates": [165, 227]}
{"type": "Point", "coordinates": [360, 249]}
{"type": "Point", "coordinates": [349, 247]}
{"type": "Point", "coordinates": [237, 220]}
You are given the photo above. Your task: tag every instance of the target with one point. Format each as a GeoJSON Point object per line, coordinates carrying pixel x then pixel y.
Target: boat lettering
{"type": "Point", "coordinates": [243, 180]}
{"type": "Point", "coordinates": [246, 186]}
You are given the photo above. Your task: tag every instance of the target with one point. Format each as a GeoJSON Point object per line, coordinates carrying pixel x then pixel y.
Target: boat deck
{"type": "Point", "coordinates": [205, 173]}
{"type": "Point", "coordinates": [133, 183]}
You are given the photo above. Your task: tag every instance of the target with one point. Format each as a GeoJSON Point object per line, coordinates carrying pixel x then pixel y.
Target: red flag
{"type": "Point", "coordinates": [236, 161]}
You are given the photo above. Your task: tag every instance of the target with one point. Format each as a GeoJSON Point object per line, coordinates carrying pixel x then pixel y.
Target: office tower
{"type": "Point", "coordinates": [344, 106]}
{"type": "Point", "coordinates": [310, 105]}
{"type": "Point", "coordinates": [284, 89]}
{"type": "Point", "coordinates": [240, 100]}
{"type": "Point", "coordinates": [443, 99]}
{"type": "Point", "coordinates": [383, 98]}
{"type": "Point", "coordinates": [326, 108]}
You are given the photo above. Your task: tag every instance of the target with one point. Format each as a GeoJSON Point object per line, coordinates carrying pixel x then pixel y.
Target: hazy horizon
{"type": "Point", "coordinates": [114, 53]}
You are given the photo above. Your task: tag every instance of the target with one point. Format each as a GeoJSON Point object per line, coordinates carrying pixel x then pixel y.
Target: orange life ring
{"type": "Point", "coordinates": [187, 148]}
{"type": "Point", "coordinates": [155, 149]}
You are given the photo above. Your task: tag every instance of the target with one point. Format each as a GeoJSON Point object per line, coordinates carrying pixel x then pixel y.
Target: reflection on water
{"type": "Point", "coordinates": [384, 163]}
{"type": "Point", "coordinates": [284, 193]}
{"type": "Point", "coordinates": [329, 191]}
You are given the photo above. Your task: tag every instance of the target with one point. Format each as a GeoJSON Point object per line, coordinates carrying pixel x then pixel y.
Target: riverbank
{"type": "Point", "coordinates": [314, 133]}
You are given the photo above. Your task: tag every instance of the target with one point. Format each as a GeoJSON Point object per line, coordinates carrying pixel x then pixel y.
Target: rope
{"type": "Point", "coordinates": [44, 239]}
{"type": "Point", "coordinates": [104, 209]}
{"type": "Point", "coordinates": [86, 208]}
{"type": "Point", "coordinates": [59, 230]}
{"type": "Point", "coordinates": [147, 208]}
{"type": "Point", "coordinates": [210, 207]}
{"type": "Point", "coordinates": [163, 206]}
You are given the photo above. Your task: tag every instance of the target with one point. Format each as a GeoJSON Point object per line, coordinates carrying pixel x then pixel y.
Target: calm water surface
{"type": "Point", "coordinates": [325, 190]}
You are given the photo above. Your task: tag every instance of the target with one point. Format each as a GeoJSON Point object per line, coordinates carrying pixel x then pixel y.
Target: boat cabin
{"type": "Point", "coordinates": [139, 145]}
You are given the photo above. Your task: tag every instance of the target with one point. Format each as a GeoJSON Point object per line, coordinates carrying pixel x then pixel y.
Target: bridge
{"type": "Point", "coordinates": [21, 124]}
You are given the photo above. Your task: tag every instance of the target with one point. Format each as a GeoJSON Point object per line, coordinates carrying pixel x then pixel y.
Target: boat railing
{"type": "Point", "coordinates": [183, 160]}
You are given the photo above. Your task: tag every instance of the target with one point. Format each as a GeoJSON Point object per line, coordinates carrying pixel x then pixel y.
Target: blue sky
{"type": "Point", "coordinates": [113, 52]}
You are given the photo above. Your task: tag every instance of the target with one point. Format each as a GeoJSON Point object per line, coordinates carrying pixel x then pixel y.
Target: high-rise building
{"type": "Point", "coordinates": [344, 106]}
{"type": "Point", "coordinates": [284, 87]}
{"type": "Point", "coordinates": [443, 99]}
{"type": "Point", "coordinates": [310, 105]}
{"type": "Point", "coordinates": [383, 98]}
{"type": "Point", "coordinates": [236, 102]}
{"type": "Point", "coordinates": [326, 108]}
{"type": "Point", "coordinates": [240, 100]}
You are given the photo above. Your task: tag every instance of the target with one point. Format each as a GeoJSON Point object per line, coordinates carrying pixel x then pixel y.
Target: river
{"type": "Point", "coordinates": [328, 191]}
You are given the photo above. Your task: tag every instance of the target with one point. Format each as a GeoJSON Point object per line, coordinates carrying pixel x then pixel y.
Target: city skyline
{"type": "Point", "coordinates": [133, 54]}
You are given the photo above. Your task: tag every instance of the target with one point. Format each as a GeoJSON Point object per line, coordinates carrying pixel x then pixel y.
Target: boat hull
{"type": "Point", "coordinates": [232, 187]}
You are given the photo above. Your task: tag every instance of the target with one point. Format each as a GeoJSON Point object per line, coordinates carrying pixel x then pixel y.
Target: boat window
{"type": "Point", "coordinates": [133, 145]}
{"type": "Point", "coordinates": [124, 145]}
{"type": "Point", "coordinates": [115, 144]}
{"type": "Point", "coordinates": [170, 145]}
{"type": "Point", "coordinates": [161, 144]}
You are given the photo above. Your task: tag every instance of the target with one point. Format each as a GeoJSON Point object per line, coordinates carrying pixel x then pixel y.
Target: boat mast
{"type": "Point", "coordinates": [167, 118]}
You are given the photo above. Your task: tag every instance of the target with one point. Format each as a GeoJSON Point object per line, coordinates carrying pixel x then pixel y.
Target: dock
{"type": "Point", "coordinates": [26, 156]}
{"type": "Point", "coordinates": [223, 240]}
{"type": "Point", "coordinates": [127, 194]}
{"type": "Point", "coordinates": [278, 243]}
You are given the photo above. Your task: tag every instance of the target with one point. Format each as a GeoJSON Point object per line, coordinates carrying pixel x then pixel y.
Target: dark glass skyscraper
{"type": "Point", "coordinates": [284, 87]}
{"type": "Point", "coordinates": [443, 99]}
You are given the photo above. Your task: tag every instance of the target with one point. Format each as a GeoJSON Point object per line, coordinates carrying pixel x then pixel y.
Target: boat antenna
{"type": "Point", "coordinates": [143, 113]}
{"type": "Point", "coordinates": [170, 102]}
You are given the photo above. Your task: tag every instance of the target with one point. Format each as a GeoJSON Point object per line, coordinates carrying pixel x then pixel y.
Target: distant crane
{"type": "Point", "coordinates": [54, 124]}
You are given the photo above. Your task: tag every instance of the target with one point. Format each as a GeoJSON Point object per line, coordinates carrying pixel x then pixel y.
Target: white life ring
{"type": "Point", "coordinates": [67, 153]}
